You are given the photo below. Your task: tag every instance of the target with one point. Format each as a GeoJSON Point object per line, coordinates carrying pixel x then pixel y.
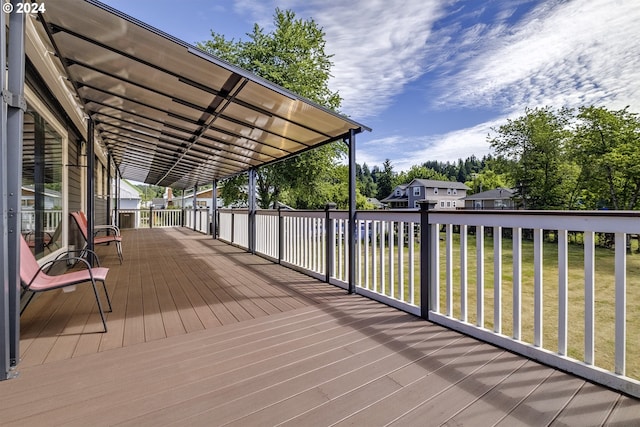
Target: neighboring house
{"type": "Point", "coordinates": [398, 198]}
{"type": "Point", "coordinates": [499, 198]}
{"type": "Point", "coordinates": [51, 207]}
{"type": "Point", "coordinates": [52, 199]}
{"type": "Point", "coordinates": [129, 196]}
{"type": "Point", "coordinates": [376, 203]}
{"type": "Point", "coordinates": [203, 199]}
{"type": "Point", "coordinates": [129, 204]}
{"type": "Point", "coordinates": [446, 194]}
{"type": "Point", "coordinates": [158, 203]}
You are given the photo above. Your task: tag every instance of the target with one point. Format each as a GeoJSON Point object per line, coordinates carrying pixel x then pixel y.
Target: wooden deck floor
{"type": "Point", "coordinates": [203, 333]}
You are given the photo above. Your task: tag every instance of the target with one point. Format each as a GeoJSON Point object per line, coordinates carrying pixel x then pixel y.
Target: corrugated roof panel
{"type": "Point", "coordinates": [166, 109]}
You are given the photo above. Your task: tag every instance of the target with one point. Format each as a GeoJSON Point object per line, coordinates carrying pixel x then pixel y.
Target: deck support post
{"type": "Point", "coordinates": [109, 193]}
{"type": "Point", "coordinates": [12, 108]}
{"type": "Point", "coordinates": [116, 203]}
{"type": "Point", "coordinates": [425, 257]}
{"type": "Point", "coordinates": [252, 211]}
{"type": "Point", "coordinates": [195, 206]}
{"type": "Point", "coordinates": [214, 209]}
{"type": "Point", "coordinates": [280, 235]}
{"type": "Point", "coordinates": [352, 212]}
{"type": "Point", "coordinates": [330, 241]}
{"type": "Point", "coordinates": [91, 165]}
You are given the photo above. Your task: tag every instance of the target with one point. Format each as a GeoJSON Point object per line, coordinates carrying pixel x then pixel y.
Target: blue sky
{"type": "Point", "coordinates": [432, 77]}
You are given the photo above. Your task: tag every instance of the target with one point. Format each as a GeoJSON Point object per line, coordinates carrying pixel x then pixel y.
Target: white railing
{"type": "Point", "coordinates": [304, 244]}
{"type": "Point", "coordinates": [387, 257]}
{"type": "Point", "coordinates": [559, 287]}
{"type": "Point", "coordinates": [197, 219]}
{"type": "Point", "coordinates": [234, 226]}
{"type": "Point", "coordinates": [556, 302]}
{"type": "Point", "coordinates": [51, 219]}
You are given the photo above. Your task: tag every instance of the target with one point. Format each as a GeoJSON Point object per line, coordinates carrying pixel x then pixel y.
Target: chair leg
{"type": "Point", "coordinates": [104, 285]}
{"type": "Point", "coordinates": [95, 291]}
{"type": "Point", "coordinates": [119, 248]}
{"type": "Point", "coordinates": [33, 294]}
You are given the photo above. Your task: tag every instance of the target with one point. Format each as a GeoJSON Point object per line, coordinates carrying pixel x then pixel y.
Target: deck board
{"type": "Point", "coordinates": [207, 334]}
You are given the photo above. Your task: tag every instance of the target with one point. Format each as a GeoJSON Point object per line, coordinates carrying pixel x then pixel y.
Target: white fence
{"type": "Point", "coordinates": [198, 219]}
{"type": "Point", "coordinates": [527, 281]}
{"type": "Point", "coordinates": [51, 219]}
{"type": "Point", "coordinates": [571, 313]}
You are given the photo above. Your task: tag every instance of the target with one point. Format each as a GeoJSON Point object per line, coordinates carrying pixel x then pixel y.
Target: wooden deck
{"type": "Point", "coordinates": [203, 333]}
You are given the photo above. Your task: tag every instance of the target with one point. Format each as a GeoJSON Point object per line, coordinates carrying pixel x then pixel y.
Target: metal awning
{"type": "Point", "coordinates": [170, 114]}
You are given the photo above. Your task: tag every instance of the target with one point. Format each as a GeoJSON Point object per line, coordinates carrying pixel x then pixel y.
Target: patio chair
{"type": "Point", "coordinates": [100, 228]}
{"type": "Point", "coordinates": [48, 239]}
{"type": "Point", "coordinates": [81, 222]}
{"type": "Point", "coordinates": [34, 278]}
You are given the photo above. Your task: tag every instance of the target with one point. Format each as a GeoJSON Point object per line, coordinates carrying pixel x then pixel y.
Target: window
{"type": "Point", "coordinates": [448, 191]}
{"type": "Point", "coordinates": [442, 204]}
{"type": "Point", "coordinates": [448, 204]}
{"type": "Point", "coordinates": [42, 184]}
{"type": "Point", "coordinates": [416, 191]}
{"type": "Point", "coordinates": [453, 203]}
{"type": "Point", "coordinates": [416, 204]}
{"type": "Point", "coordinates": [435, 190]}
{"type": "Point", "coordinates": [455, 191]}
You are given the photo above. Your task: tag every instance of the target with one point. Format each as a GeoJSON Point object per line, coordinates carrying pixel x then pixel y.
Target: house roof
{"type": "Point", "coordinates": [432, 183]}
{"type": "Point", "coordinates": [394, 198]}
{"type": "Point", "coordinates": [495, 194]}
{"type": "Point", "coordinates": [170, 114]}
{"type": "Point", "coordinates": [129, 191]}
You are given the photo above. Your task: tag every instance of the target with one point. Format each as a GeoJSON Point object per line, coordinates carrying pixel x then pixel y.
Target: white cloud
{"type": "Point", "coordinates": [408, 151]}
{"type": "Point", "coordinates": [562, 53]}
{"type": "Point", "coordinates": [378, 46]}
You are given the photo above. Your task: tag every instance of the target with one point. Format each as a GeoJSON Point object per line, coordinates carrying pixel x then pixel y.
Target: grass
{"type": "Point", "coordinates": [604, 295]}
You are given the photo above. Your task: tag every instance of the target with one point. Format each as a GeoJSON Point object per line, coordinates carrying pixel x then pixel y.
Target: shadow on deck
{"type": "Point", "coordinates": [203, 333]}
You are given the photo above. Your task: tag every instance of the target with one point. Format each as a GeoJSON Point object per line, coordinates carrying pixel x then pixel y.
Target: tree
{"type": "Point", "coordinates": [385, 180]}
{"type": "Point", "coordinates": [419, 172]}
{"type": "Point", "coordinates": [606, 145]}
{"type": "Point", "coordinates": [292, 56]}
{"type": "Point", "coordinates": [532, 152]}
{"type": "Point", "coordinates": [486, 180]}
{"type": "Point", "coordinates": [366, 181]}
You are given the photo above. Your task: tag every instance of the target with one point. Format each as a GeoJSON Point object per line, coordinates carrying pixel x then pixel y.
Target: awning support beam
{"type": "Point", "coordinates": [352, 211]}
{"type": "Point", "coordinates": [91, 165]}
{"type": "Point", "coordinates": [12, 108]}
{"type": "Point", "coordinates": [252, 210]}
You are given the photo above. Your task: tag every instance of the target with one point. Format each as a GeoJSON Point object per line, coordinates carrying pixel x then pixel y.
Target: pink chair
{"type": "Point", "coordinates": [34, 278]}
{"type": "Point", "coordinates": [81, 222]}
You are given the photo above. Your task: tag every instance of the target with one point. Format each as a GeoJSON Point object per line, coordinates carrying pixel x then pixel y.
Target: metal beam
{"type": "Point", "coordinates": [214, 210]}
{"type": "Point", "coordinates": [91, 166]}
{"type": "Point", "coordinates": [5, 321]}
{"type": "Point", "coordinates": [352, 212]}
{"type": "Point", "coordinates": [195, 206]}
{"type": "Point", "coordinates": [252, 210]}
{"type": "Point", "coordinates": [11, 125]}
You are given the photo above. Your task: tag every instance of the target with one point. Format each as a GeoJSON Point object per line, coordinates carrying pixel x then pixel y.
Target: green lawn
{"type": "Point", "coordinates": [605, 303]}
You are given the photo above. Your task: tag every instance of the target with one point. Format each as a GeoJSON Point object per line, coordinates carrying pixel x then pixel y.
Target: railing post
{"type": "Point", "coordinates": [280, 235]}
{"type": "Point", "coordinates": [214, 210]}
{"type": "Point", "coordinates": [233, 218]}
{"type": "Point", "coordinates": [150, 216]}
{"type": "Point", "coordinates": [330, 241]}
{"type": "Point", "coordinates": [425, 256]}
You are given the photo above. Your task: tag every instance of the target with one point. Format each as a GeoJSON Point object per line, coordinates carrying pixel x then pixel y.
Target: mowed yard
{"type": "Point", "coordinates": [604, 293]}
